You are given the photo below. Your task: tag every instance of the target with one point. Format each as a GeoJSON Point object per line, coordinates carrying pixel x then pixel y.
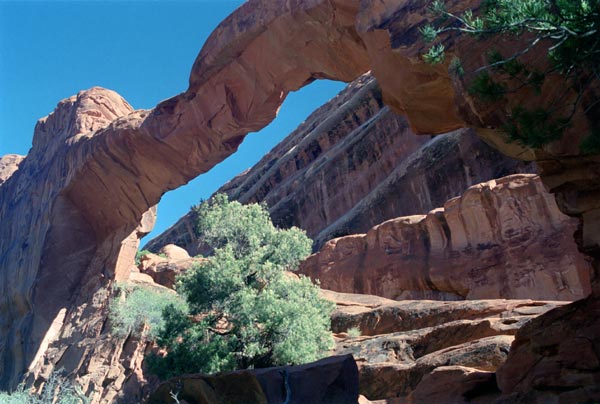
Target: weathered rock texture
{"type": "Point", "coordinates": [331, 380]}
{"type": "Point", "coordinates": [8, 165]}
{"type": "Point", "coordinates": [353, 164]}
{"type": "Point", "coordinates": [70, 212]}
{"type": "Point", "coordinates": [504, 238]}
{"type": "Point", "coordinates": [164, 270]}
{"type": "Point", "coordinates": [556, 357]}
{"type": "Point", "coordinates": [96, 166]}
{"type": "Point", "coordinates": [434, 101]}
{"type": "Point", "coordinates": [409, 350]}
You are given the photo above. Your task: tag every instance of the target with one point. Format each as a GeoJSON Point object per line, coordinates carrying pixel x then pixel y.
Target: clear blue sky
{"type": "Point", "coordinates": [144, 50]}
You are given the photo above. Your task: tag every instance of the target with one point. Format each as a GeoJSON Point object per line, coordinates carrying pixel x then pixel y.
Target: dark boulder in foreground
{"type": "Point", "coordinates": [332, 380]}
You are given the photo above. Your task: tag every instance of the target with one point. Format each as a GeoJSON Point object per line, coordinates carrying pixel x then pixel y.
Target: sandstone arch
{"type": "Point", "coordinates": [96, 165]}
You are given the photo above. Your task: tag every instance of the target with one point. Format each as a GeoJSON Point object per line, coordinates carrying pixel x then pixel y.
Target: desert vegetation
{"type": "Point", "coordinates": [56, 390]}
{"type": "Point", "coordinates": [241, 308]}
{"type": "Point", "coordinates": [567, 31]}
{"type": "Point", "coordinates": [138, 310]}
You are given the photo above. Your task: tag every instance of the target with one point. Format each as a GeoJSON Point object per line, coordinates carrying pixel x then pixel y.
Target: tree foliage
{"type": "Point", "coordinates": [56, 390]}
{"type": "Point", "coordinates": [244, 310]}
{"type": "Point", "coordinates": [568, 31]}
{"type": "Point", "coordinates": [138, 309]}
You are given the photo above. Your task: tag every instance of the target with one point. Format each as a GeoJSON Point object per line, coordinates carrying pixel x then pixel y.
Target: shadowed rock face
{"type": "Point", "coordinates": [353, 164]}
{"type": "Point", "coordinates": [555, 358]}
{"type": "Point", "coordinates": [96, 167]}
{"type": "Point", "coordinates": [330, 380]}
{"type": "Point", "coordinates": [504, 238]}
{"type": "Point", "coordinates": [70, 213]}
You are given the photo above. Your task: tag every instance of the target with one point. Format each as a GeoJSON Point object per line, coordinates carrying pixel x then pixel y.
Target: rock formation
{"type": "Point", "coordinates": [409, 349]}
{"type": "Point", "coordinates": [329, 380]}
{"type": "Point", "coordinates": [96, 166]}
{"type": "Point", "coordinates": [353, 164]}
{"type": "Point", "coordinates": [434, 101]}
{"type": "Point", "coordinates": [164, 270]}
{"type": "Point", "coordinates": [504, 238]}
{"type": "Point", "coordinates": [555, 357]}
{"type": "Point", "coordinates": [8, 165]}
{"type": "Point", "coordinates": [70, 213]}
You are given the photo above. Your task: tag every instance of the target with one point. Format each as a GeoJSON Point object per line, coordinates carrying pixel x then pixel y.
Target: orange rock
{"type": "Point", "coordinates": [404, 342]}
{"type": "Point", "coordinates": [174, 252]}
{"type": "Point", "coordinates": [165, 271]}
{"type": "Point", "coordinates": [70, 212]}
{"type": "Point", "coordinates": [348, 167]}
{"type": "Point", "coordinates": [504, 238]}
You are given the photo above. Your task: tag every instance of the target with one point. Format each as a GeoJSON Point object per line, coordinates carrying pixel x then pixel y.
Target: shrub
{"type": "Point", "coordinates": [244, 310]}
{"type": "Point", "coordinates": [56, 390]}
{"type": "Point", "coordinates": [568, 31]}
{"type": "Point", "coordinates": [354, 332]}
{"type": "Point", "coordinates": [139, 309]}
{"type": "Point", "coordinates": [139, 255]}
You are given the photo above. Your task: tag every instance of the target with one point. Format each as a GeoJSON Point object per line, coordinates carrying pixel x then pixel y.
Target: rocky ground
{"type": "Point", "coordinates": [409, 351]}
{"type": "Point", "coordinates": [418, 350]}
{"type": "Point", "coordinates": [74, 210]}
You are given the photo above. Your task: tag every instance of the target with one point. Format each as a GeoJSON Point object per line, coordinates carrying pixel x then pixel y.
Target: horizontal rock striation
{"type": "Point", "coordinates": [504, 238]}
{"type": "Point", "coordinates": [405, 348]}
{"type": "Point", "coordinates": [71, 211]}
{"type": "Point", "coordinates": [352, 164]}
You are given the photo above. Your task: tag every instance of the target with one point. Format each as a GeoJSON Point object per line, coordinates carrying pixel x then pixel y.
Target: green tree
{"type": "Point", "coordinates": [244, 311]}
{"type": "Point", "coordinates": [138, 309]}
{"type": "Point", "coordinates": [57, 389]}
{"type": "Point", "coordinates": [569, 33]}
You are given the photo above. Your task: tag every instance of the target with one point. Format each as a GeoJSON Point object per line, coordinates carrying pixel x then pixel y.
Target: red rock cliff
{"type": "Point", "coordinates": [504, 239]}
{"type": "Point", "coordinates": [353, 164]}
{"type": "Point", "coordinates": [96, 166]}
{"type": "Point", "coordinates": [70, 211]}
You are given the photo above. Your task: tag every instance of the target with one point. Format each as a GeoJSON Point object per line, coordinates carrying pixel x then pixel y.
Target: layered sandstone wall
{"type": "Point", "coordinates": [71, 210]}
{"type": "Point", "coordinates": [69, 213]}
{"type": "Point", "coordinates": [353, 164]}
{"type": "Point", "coordinates": [505, 238]}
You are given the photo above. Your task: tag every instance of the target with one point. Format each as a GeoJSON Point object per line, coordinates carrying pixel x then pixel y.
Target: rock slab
{"type": "Point", "coordinates": [332, 380]}
{"type": "Point", "coordinates": [504, 238]}
{"type": "Point", "coordinates": [409, 350]}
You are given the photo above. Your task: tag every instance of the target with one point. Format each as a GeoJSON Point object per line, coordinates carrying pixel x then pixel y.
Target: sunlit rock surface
{"type": "Point", "coordinates": [504, 238]}
{"type": "Point", "coordinates": [70, 213]}
{"type": "Point", "coordinates": [352, 164]}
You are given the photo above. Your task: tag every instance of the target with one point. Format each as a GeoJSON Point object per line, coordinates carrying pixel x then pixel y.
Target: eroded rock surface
{"type": "Point", "coordinates": [70, 213]}
{"type": "Point", "coordinates": [406, 347]}
{"type": "Point", "coordinates": [434, 101]}
{"type": "Point", "coordinates": [330, 380]}
{"type": "Point", "coordinates": [164, 270]}
{"type": "Point", "coordinates": [505, 238]}
{"type": "Point", "coordinates": [556, 357]}
{"type": "Point", "coordinates": [8, 165]}
{"type": "Point", "coordinates": [352, 164]}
